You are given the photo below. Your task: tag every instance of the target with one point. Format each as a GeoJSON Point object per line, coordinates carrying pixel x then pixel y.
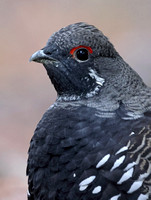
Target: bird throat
{"type": "Point", "coordinates": [72, 87]}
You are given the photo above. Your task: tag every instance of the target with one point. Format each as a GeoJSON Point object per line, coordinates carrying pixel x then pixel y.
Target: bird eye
{"type": "Point", "coordinates": [81, 53]}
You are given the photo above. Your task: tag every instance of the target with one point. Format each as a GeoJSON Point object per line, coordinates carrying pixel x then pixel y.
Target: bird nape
{"type": "Point", "coordinates": [95, 141]}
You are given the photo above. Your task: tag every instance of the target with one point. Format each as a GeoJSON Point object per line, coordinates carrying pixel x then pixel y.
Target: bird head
{"type": "Point", "coordinates": [79, 60]}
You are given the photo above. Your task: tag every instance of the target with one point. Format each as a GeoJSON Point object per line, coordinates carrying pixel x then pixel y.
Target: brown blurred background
{"type": "Point", "coordinates": [25, 89]}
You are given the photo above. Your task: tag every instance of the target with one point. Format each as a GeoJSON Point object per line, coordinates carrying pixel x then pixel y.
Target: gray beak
{"type": "Point", "coordinates": [41, 57]}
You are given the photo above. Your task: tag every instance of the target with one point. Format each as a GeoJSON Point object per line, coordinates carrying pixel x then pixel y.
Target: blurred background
{"type": "Point", "coordinates": [25, 89]}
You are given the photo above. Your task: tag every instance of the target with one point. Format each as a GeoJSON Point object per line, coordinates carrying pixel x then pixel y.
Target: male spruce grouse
{"type": "Point", "coordinates": [94, 143]}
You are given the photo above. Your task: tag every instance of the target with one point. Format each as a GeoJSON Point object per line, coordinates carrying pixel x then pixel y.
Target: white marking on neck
{"type": "Point", "coordinates": [135, 186]}
{"type": "Point", "coordinates": [93, 92]}
{"type": "Point", "coordinates": [125, 148]}
{"type": "Point", "coordinates": [76, 97]}
{"type": "Point", "coordinates": [118, 162]}
{"type": "Point", "coordinates": [99, 82]}
{"type": "Point", "coordinates": [69, 98]}
{"type": "Point", "coordinates": [74, 175]}
{"type": "Point", "coordinates": [96, 190]}
{"type": "Point", "coordinates": [126, 176]}
{"type": "Point", "coordinates": [103, 161]}
{"type": "Point", "coordinates": [131, 115]}
{"type": "Point", "coordinates": [115, 197]}
{"type": "Point", "coordinates": [98, 79]}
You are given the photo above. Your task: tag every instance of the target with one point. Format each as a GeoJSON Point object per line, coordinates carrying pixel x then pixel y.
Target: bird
{"type": "Point", "coordinates": [94, 142]}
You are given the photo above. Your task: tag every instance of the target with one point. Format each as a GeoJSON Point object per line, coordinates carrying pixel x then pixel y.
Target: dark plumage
{"type": "Point", "coordinates": [95, 141]}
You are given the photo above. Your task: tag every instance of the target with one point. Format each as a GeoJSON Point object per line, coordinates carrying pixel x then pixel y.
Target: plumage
{"type": "Point", "coordinates": [95, 141]}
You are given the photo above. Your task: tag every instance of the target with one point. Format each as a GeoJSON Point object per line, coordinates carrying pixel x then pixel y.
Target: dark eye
{"type": "Point", "coordinates": [82, 54]}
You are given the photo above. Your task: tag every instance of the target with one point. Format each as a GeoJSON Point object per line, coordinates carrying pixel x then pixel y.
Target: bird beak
{"type": "Point", "coordinates": [41, 57]}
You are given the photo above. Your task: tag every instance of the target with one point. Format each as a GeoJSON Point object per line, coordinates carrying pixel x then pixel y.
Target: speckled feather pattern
{"type": "Point", "coordinates": [70, 36]}
{"type": "Point", "coordinates": [68, 142]}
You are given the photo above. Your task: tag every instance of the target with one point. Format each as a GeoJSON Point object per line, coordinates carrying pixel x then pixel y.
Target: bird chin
{"type": "Point", "coordinates": [50, 65]}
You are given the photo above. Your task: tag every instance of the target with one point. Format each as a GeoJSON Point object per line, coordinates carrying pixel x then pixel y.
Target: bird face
{"type": "Point", "coordinates": [70, 58]}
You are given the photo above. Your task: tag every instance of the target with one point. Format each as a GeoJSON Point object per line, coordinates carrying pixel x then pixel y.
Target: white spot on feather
{"type": "Point", "coordinates": [135, 186]}
{"type": "Point", "coordinates": [143, 197]}
{"type": "Point", "coordinates": [126, 176]}
{"type": "Point", "coordinates": [125, 148]}
{"type": "Point", "coordinates": [115, 197]}
{"type": "Point", "coordinates": [132, 133]}
{"type": "Point", "coordinates": [74, 175]}
{"type": "Point", "coordinates": [87, 181]}
{"type": "Point", "coordinates": [118, 162]}
{"type": "Point", "coordinates": [130, 165]}
{"type": "Point", "coordinates": [96, 190]}
{"type": "Point", "coordinates": [121, 150]}
{"type": "Point", "coordinates": [83, 187]}
{"type": "Point", "coordinates": [103, 161]}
